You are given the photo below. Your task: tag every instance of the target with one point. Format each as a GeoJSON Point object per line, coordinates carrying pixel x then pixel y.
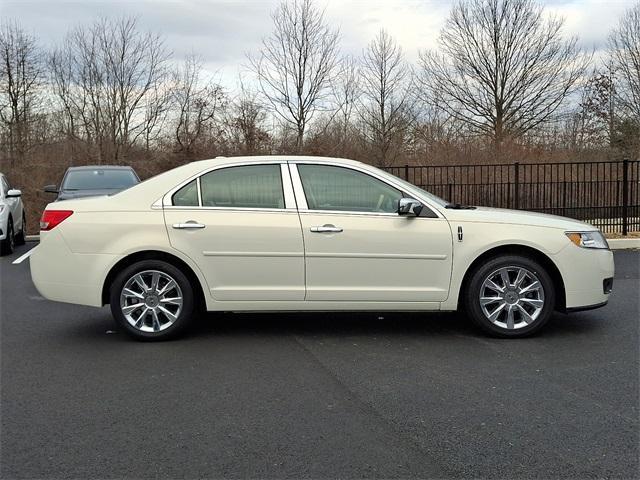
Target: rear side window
{"type": "Point", "coordinates": [187, 196]}
{"type": "Point", "coordinates": [251, 186]}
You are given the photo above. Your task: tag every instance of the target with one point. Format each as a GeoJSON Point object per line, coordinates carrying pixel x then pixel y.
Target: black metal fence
{"type": "Point", "coordinates": [605, 194]}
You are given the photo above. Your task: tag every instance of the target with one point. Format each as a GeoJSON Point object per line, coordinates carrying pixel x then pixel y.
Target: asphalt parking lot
{"type": "Point", "coordinates": [317, 395]}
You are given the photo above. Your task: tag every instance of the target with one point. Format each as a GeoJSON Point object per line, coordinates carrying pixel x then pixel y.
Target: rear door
{"type": "Point", "coordinates": [240, 225]}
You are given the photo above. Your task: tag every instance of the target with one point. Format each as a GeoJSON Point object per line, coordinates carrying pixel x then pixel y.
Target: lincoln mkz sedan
{"type": "Point", "coordinates": [311, 234]}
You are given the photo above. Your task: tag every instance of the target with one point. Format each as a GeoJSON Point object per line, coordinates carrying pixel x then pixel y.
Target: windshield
{"type": "Point", "coordinates": [429, 195]}
{"type": "Point", "coordinates": [99, 179]}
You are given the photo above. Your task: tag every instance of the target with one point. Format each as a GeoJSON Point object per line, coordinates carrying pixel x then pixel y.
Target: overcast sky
{"type": "Point", "coordinates": [223, 31]}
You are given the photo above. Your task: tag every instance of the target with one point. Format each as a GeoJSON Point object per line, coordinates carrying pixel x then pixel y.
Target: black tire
{"type": "Point", "coordinates": [512, 263]}
{"type": "Point", "coordinates": [183, 318]}
{"type": "Point", "coordinates": [20, 236]}
{"type": "Point", "coordinates": [6, 246]}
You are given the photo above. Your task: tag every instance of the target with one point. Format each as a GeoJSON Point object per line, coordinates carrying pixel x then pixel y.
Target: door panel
{"type": "Point", "coordinates": [377, 257]}
{"type": "Point", "coordinates": [244, 255]}
{"type": "Point", "coordinates": [240, 225]}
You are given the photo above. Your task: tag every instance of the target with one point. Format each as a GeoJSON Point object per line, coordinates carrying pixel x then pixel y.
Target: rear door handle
{"type": "Point", "coordinates": [188, 225]}
{"type": "Point", "coordinates": [328, 228]}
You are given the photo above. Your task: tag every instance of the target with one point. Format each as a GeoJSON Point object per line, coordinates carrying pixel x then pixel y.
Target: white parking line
{"type": "Point", "coordinates": [22, 258]}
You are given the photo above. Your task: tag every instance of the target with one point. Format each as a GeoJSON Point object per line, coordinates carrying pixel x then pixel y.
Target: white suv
{"type": "Point", "coordinates": [12, 217]}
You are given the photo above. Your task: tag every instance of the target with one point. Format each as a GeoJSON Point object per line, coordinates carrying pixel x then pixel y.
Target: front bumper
{"type": "Point", "coordinates": [588, 276]}
{"type": "Point", "coordinates": [4, 221]}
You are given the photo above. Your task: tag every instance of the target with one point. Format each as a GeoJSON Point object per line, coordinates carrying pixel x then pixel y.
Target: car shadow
{"type": "Point", "coordinates": [337, 324]}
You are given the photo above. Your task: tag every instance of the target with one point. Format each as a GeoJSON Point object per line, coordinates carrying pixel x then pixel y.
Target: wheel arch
{"type": "Point", "coordinates": [523, 250]}
{"type": "Point", "coordinates": [132, 258]}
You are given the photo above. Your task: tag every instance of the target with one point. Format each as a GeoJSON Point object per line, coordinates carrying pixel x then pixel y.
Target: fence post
{"type": "Point", "coordinates": [625, 196]}
{"type": "Point", "coordinates": [516, 186]}
{"type": "Point", "coordinates": [450, 192]}
{"type": "Point", "coordinates": [406, 172]}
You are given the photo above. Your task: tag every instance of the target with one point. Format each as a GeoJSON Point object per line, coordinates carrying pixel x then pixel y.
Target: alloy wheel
{"type": "Point", "coordinates": [151, 301]}
{"type": "Point", "coordinates": [511, 297]}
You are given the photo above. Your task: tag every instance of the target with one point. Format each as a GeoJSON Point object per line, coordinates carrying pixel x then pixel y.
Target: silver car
{"type": "Point", "coordinates": [12, 217]}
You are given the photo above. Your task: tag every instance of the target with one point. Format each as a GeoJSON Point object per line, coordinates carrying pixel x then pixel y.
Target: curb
{"type": "Point", "coordinates": [32, 238]}
{"type": "Point", "coordinates": [623, 243]}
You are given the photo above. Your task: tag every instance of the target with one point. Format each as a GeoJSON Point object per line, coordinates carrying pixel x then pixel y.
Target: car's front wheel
{"type": "Point", "coordinates": [152, 300]}
{"type": "Point", "coordinates": [510, 296]}
{"type": "Point", "coordinates": [21, 235]}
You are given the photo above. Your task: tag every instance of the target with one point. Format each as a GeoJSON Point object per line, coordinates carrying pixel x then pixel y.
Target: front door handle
{"type": "Point", "coordinates": [327, 228]}
{"type": "Point", "coordinates": [188, 225]}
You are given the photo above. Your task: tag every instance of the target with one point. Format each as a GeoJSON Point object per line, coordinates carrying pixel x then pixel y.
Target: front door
{"type": "Point", "coordinates": [358, 248]}
{"type": "Point", "coordinates": [235, 224]}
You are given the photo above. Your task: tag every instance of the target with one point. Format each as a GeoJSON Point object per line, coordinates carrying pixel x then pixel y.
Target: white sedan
{"type": "Point", "coordinates": [12, 217]}
{"type": "Point", "coordinates": [303, 233]}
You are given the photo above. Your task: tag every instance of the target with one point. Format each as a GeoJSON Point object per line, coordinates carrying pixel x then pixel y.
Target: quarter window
{"type": "Point", "coordinates": [336, 188]}
{"type": "Point", "coordinates": [251, 186]}
{"type": "Point", "coordinates": [187, 196]}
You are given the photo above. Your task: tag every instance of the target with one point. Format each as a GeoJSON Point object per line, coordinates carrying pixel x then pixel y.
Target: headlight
{"type": "Point", "coordinates": [588, 239]}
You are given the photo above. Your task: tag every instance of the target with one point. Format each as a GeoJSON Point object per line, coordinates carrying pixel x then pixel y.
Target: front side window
{"type": "Point", "coordinates": [251, 186]}
{"type": "Point", "coordinates": [337, 188]}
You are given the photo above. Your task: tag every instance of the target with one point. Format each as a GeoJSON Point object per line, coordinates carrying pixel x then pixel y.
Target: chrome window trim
{"type": "Point", "coordinates": [299, 190]}
{"type": "Point", "coordinates": [167, 203]}
{"type": "Point", "coordinates": [234, 209]}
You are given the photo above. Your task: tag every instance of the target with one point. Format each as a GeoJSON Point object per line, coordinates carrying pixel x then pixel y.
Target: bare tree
{"type": "Point", "coordinates": [346, 93]}
{"type": "Point", "coordinates": [297, 63]}
{"type": "Point", "coordinates": [624, 46]}
{"type": "Point", "coordinates": [197, 102]}
{"type": "Point", "coordinates": [105, 76]}
{"type": "Point", "coordinates": [503, 68]}
{"type": "Point", "coordinates": [21, 76]}
{"type": "Point", "coordinates": [385, 80]}
{"type": "Point", "coordinates": [246, 121]}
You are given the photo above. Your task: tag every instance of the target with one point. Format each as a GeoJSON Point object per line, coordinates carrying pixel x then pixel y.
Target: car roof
{"type": "Point", "coordinates": [100, 167]}
{"type": "Point", "coordinates": [272, 158]}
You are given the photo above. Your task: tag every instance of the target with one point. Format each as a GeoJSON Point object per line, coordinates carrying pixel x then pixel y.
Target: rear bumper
{"type": "Point", "coordinates": [63, 276]}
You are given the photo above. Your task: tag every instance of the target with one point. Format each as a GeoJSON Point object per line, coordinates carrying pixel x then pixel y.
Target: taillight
{"type": "Point", "coordinates": [52, 218]}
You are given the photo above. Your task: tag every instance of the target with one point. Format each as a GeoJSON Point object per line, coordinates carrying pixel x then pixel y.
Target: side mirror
{"type": "Point", "coordinates": [14, 193]}
{"type": "Point", "coordinates": [51, 189]}
{"type": "Point", "coordinates": [409, 207]}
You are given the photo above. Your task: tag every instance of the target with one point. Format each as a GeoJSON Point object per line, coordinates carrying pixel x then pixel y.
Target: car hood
{"type": "Point", "coordinates": [515, 217]}
{"type": "Point", "coordinates": [71, 194]}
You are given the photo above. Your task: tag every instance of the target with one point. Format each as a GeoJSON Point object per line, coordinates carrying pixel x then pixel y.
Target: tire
{"type": "Point", "coordinates": [7, 245]}
{"type": "Point", "coordinates": [149, 322]}
{"type": "Point", "coordinates": [20, 237]}
{"type": "Point", "coordinates": [520, 309]}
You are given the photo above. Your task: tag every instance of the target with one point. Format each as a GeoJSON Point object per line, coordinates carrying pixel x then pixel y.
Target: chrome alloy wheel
{"type": "Point", "coordinates": [151, 301]}
{"type": "Point", "coordinates": [512, 297]}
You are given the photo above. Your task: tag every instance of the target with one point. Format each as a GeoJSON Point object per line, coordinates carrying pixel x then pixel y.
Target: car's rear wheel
{"type": "Point", "coordinates": [510, 296]}
{"type": "Point", "coordinates": [8, 244]}
{"type": "Point", "coordinates": [20, 236]}
{"type": "Point", "coordinates": [152, 300]}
